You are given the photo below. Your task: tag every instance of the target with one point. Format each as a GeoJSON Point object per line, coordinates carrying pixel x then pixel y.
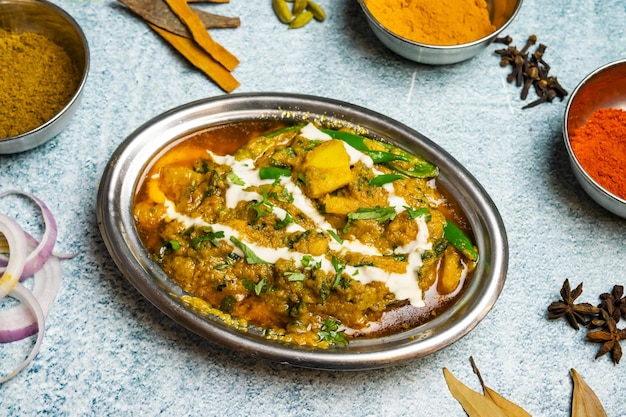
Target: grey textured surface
{"type": "Point", "coordinates": [107, 351]}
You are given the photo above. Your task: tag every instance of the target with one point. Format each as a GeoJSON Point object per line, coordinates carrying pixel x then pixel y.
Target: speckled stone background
{"type": "Point", "coordinates": [107, 351]}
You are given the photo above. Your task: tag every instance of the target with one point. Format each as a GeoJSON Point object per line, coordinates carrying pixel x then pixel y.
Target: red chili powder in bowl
{"type": "Point", "coordinates": [600, 147]}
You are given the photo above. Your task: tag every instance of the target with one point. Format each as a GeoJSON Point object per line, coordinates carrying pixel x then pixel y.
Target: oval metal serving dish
{"type": "Point", "coordinates": [129, 162]}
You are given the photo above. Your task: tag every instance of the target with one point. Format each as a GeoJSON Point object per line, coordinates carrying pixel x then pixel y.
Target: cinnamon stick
{"type": "Point", "coordinates": [201, 35]}
{"type": "Point", "coordinates": [199, 58]}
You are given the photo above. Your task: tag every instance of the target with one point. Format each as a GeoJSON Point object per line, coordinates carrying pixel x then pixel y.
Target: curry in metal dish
{"type": "Point", "coordinates": [315, 236]}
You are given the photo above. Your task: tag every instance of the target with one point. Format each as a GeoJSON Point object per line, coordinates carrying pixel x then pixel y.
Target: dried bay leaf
{"type": "Point", "coordinates": [509, 408]}
{"type": "Point", "coordinates": [159, 14]}
{"type": "Point", "coordinates": [585, 403]}
{"type": "Point", "coordinates": [474, 403]}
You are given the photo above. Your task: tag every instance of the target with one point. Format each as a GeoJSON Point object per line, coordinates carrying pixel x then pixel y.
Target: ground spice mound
{"type": "Point", "coordinates": [600, 147]}
{"type": "Point", "coordinates": [37, 79]}
{"type": "Point", "coordinates": [441, 22]}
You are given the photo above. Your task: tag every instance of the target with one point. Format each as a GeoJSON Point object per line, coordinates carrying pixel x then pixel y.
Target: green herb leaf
{"type": "Point", "coordinates": [339, 266]}
{"type": "Point", "coordinates": [420, 212]}
{"type": "Point", "coordinates": [381, 214]}
{"type": "Point", "coordinates": [335, 236]}
{"type": "Point", "coordinates": [174, 244]}
{"type": "Point", "coordinates": [284, 222]}
{"type": "Point", "coordinates": [295, 276]}
{"type": "Point", "coordinates": [331, 333]}
{"type": "Point", "coordinates": [309, 262]}
{"type": "Point", "coordinates": [257, 288]}
{"type": "Point", "coordinates": [250, 256]}
{"type": "Point", "coordinates": [235, 179]}
{"type": "Point", "coordinates": [208, 237]}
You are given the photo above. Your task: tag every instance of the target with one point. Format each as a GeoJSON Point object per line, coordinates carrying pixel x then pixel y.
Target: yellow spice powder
{"type": "Point", "coordinates": [37, 79]}
{"type": "Point", "coordinates": [434, 22]}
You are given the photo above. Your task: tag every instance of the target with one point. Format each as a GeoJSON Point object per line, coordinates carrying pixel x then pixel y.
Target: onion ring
{"type": "Point", "coordinates": [42, 252]}
{"type": "Point", "coordinates": [23, 256]}
{"type": "Point", "coordinates": [22, 294]}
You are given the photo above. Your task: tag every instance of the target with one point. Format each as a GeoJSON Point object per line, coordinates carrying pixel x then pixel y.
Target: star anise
{"type": "Point", "coordinates": [609, 337]}
{"type": "Point", "coordinates": [575, 314]}
{"type": "Point", "coordinates": [614, 303]}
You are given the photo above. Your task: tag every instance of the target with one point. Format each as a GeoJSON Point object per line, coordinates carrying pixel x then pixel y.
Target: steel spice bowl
{"type": "Point", "coordinates": [603, 88]}
{"type": "Point", "coordinates": [128, 163]}
{"type": "Point", "coordinates": [49, 20]}
{"type": "Point", "coordinates": [501, 13]}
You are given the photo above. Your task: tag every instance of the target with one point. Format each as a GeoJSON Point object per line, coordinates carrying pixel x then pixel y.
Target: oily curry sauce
{"type": "Point", "coordinates": [314, 236]}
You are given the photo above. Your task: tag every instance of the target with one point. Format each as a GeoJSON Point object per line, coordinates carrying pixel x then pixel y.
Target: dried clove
{"type": "Point", "coordinates": [530, 70]}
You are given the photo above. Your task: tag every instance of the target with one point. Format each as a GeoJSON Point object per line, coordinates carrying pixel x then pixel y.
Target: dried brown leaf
{"type": "Point", "coordinates": [474, 403]}
{"type": "Point", "coordinates": [509, 408]}
{"type": "Point", "coordinates": [585, 403]}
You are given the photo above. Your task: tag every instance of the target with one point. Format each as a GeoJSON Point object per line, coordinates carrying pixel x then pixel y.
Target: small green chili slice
{"type": "Point", "coordinates": [272, 173]}
{"type": "Point", "coordinates": [380, 180]}
{"type": "Point", "coordinates": [459, 240]}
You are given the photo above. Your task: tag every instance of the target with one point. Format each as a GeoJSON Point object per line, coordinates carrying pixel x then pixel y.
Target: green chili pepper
{"type": "Point", "coordinates": [394, 157]}
{"type": "Point", "coordinates": [380, 180]}
{"type": "Point", "coordinates": [272, 173]}
{"type": "Point", "coordinates": [459, 240]}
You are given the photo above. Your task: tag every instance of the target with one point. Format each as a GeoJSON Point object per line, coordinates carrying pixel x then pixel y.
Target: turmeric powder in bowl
{"type": "Point", "coordinates": [443, 22]}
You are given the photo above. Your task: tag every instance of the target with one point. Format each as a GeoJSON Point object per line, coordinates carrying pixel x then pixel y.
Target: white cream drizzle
{"type": "Point", "coordinates": [403, 285]}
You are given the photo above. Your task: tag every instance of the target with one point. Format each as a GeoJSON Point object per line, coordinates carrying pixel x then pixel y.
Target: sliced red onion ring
{"type": "Point", "coordinates": [16, 241]}
{"type": "Point", "coordinates": [38, 257]}
{"type": "Point", "coordinates": [22, 294]}
{"type": "Point", "coordinates": [23, 256]}
{"type": "Point", "coordinates": [18, 322]}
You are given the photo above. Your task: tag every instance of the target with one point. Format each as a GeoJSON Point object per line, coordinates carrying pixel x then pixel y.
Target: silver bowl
{"type": "Point", "coordinates": [49, 20]}
{"type": "Point", "coordinates": [501, 13]}
{"type": "Point", "coordinates": [603, 88]}
{"type": "Point", "coordinates": [128, 163]}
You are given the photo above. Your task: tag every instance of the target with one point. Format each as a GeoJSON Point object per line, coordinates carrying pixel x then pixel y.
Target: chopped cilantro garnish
{"type": "Point", "coordinates": [309, 262]}
{"type": "Point", "coordinates": [330, 332]}
{"type": "Point", "coordinates": [420, 212]}
{"type": "Point", "coordinates": [335, 236]}
{"type": "Point", "coordinates": [339, 266]}
{"type": "Point", "coordinates": [174, 244]}
{"type": "Point", "coordinates": [250, 256]}
{"type": "Point", "coordinates": [284, 222]}
{"type": "Point", "coordinates": [295, 276]}
{"type": "Point", "coordinates": [257, 288]}
{"type": "Point", "coordinates": [208, 237]}
{"type": "Point", "coordinates": [235, 179]}
{"type": "Point", "coordinates": [381, 214]}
